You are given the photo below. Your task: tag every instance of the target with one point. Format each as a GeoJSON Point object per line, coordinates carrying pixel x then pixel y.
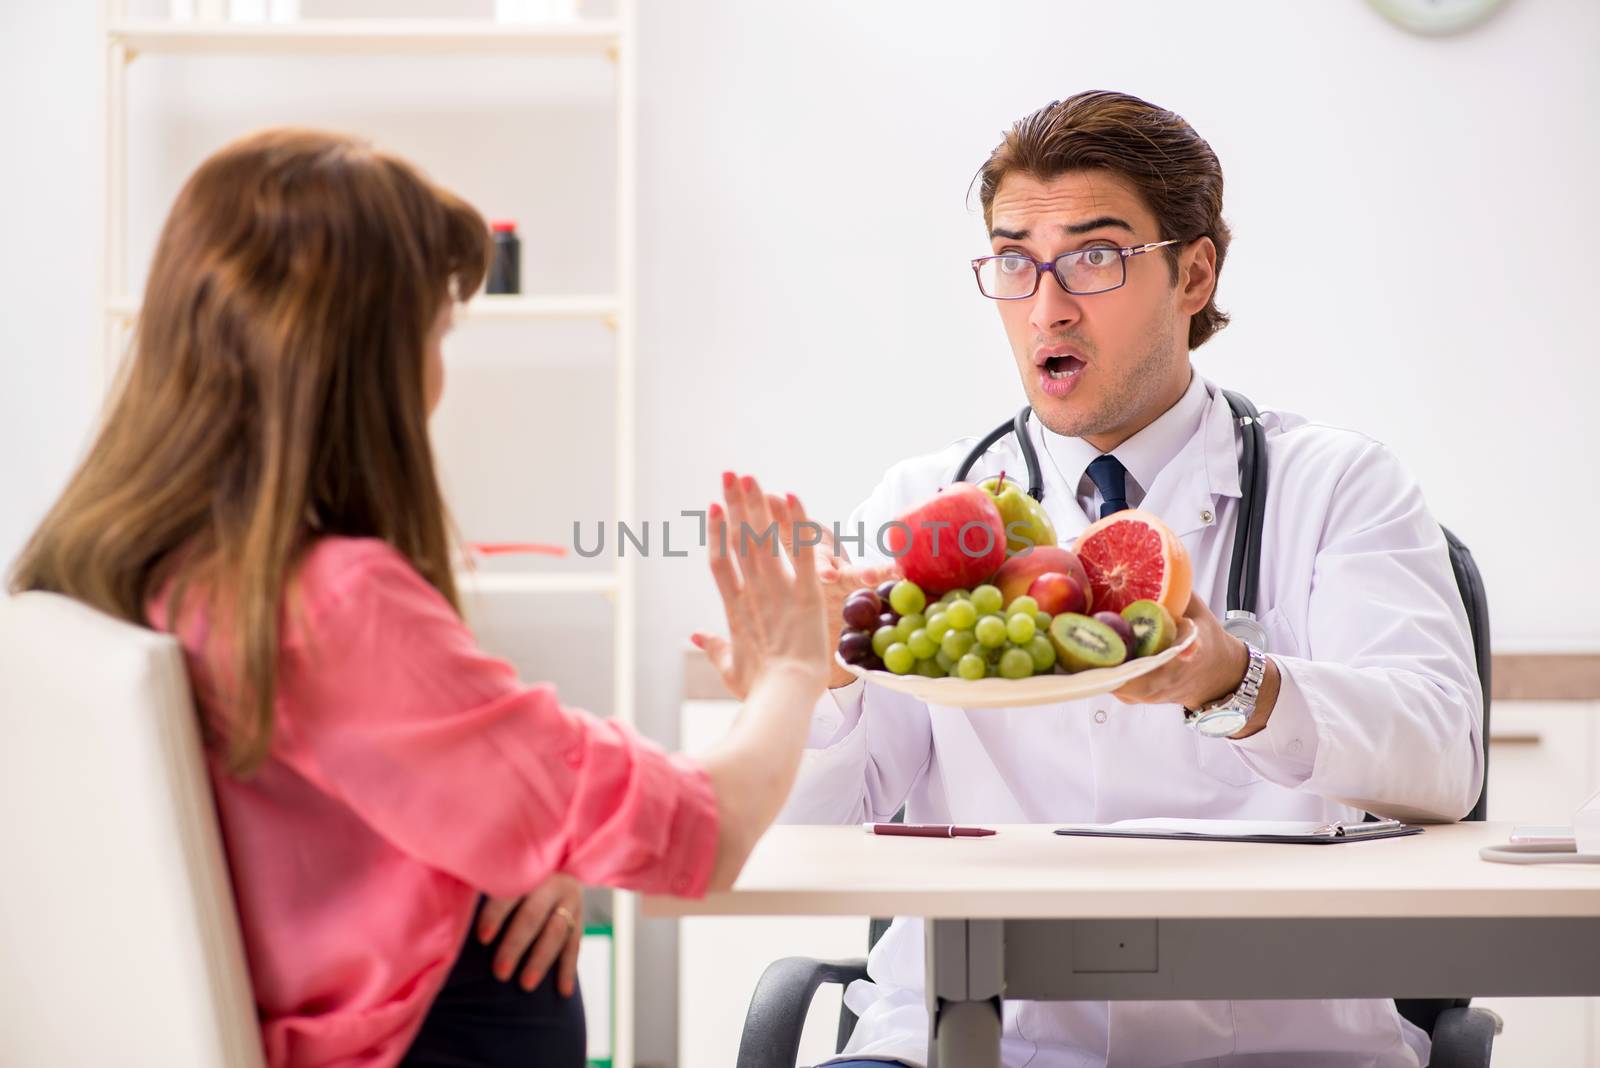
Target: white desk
{"type": "Point", "coordinates": [1031, 914]}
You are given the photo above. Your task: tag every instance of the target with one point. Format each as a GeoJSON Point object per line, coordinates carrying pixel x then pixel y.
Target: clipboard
{"type": "Point", "coordinates": [1276, 833]}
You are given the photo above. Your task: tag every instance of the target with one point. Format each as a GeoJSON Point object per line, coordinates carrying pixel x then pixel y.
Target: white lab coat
{"type": "Point", "coordinates": [1379, 711]}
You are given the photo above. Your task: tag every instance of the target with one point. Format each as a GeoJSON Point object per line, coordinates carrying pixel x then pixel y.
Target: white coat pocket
{"type": "Point", "coordinates": [1218, 760]}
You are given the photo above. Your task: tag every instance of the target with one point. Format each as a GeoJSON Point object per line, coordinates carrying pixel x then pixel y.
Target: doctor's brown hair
{"type": "Point", "coordinates": [275, 391]}
{"type": "Point", "coordinates": [1170, 166]}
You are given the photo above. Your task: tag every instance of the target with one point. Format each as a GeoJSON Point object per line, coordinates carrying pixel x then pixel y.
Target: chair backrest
{"type": "Point", "coordinates": [119, 943]}
{"type": "Point", "coordinates": [1424, 1012]}
{"type": "Point", "coordinates": [1476, 600]}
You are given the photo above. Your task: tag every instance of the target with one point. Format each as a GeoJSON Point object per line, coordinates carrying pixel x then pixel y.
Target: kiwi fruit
{"type": "Point", "coordinates": [1153, 627]}
{"type": "Point", "coordinates": [1083, 643]}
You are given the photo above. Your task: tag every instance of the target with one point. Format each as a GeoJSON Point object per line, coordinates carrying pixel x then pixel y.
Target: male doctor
{"type": "Point", "coordinates": [1104, 216]}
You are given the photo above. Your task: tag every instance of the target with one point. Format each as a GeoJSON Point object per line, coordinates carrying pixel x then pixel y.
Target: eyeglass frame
{"type": "Point", "coordinates": [1040, 266]}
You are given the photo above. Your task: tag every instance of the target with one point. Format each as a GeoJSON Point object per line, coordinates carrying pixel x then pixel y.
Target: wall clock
{"type": "Point", "coordinates": [1437, 17]}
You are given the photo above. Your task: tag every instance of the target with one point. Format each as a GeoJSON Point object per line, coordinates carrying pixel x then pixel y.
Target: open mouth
{"type": "Point", "coordinates": [1063, 367]}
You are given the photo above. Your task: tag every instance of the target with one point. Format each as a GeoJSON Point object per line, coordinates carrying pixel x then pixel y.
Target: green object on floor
{"type": "Point", "coordinates": [599, 998]}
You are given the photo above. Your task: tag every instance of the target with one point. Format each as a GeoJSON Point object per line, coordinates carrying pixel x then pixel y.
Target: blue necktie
{"type": "Point", "coordinates": [1110, 478]}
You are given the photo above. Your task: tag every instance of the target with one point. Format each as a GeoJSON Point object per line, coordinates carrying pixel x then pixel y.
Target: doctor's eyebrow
{"type": "Point", "coordinates": [1070, 228]}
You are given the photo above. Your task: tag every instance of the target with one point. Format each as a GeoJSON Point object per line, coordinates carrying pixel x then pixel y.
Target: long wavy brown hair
{"type": "Point", "coordinates": [274, 393]}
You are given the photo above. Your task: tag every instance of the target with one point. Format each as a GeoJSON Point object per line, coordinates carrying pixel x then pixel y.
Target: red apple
{"type": "Point", "coordinates": [1058, 593]}
{"type": "Point", "coordinates": [953, 540]}
{"type": "Point", "coordinates": [1018, 573]}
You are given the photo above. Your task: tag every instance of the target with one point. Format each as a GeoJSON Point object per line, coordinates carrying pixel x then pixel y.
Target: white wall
{"type": "Point", "coordinates": [49, 267]}
{"type": "Point", "coordinates": [774, 143]}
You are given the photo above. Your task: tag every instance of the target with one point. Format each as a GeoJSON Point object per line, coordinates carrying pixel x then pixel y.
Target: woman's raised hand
{"type": "Point", "coordinates": [764, 561]}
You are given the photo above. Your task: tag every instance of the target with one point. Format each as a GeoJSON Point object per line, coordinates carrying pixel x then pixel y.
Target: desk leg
{"type": "Point", "coordinates": [966, 973]}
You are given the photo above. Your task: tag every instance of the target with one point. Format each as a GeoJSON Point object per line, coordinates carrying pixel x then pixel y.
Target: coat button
{"type": "Point", "coordinates": [1100, 717]}
{"type": "Point", "coordinates": [1294, 746]}
{"type": "Point", "coordinates": [1206, 516]}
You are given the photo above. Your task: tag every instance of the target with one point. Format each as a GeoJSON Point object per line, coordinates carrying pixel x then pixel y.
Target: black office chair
{"type": "Point", "coordinates": [1462, 1035]}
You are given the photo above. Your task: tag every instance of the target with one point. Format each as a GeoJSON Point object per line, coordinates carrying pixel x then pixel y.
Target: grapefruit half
{"type": "Point", "coordinates": [1132, 555]}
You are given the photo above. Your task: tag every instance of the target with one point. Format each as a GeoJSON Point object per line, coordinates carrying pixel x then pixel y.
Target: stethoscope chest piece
{"type": "Point", "coordinates": [1247, 628]}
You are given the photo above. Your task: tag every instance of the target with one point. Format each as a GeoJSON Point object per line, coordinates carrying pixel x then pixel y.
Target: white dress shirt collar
{"type": "Point", "coordinates": [1145, 455]}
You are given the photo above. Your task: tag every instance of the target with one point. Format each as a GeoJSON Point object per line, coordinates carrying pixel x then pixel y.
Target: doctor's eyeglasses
{"type": "Point", "coordinates": [1099, 269]}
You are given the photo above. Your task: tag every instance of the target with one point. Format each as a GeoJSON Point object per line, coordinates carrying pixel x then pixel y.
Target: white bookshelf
{"type": "Point", "coordinates": [479, 583]}
{"type": "Point", "coordinates": [578, 306]}
{"type": "Point", "coordinates": [367, 36]}
{"type": "Point", "coordinates": [605, 308]}
{"type": "Point", "coordinates": [123, 39]}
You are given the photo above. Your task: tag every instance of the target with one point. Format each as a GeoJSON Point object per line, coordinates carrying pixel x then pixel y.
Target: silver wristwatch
{"type": "Point", "coordinates": [1228, 715]}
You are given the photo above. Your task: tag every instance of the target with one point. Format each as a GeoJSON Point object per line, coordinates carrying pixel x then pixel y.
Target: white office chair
{"type": "Point", "coordinates": [119, 943]}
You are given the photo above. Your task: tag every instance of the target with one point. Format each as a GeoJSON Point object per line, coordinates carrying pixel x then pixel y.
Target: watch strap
{"type": "Point", "coordinates": [1242, 699]}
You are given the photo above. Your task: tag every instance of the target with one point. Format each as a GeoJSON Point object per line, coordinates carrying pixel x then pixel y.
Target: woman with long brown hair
{"type": "Point", "coordinates": [263, 487]}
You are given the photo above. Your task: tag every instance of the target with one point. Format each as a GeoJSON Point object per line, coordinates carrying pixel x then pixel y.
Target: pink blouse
{"type": "Point", "coordinates": [409, 771]}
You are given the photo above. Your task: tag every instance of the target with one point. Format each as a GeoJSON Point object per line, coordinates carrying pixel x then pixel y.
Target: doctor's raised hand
{"type": "Point", "coordinates": [1208, 672]}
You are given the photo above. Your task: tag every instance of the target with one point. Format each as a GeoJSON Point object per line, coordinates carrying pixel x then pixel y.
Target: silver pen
{"type": "Point", "coordinates": [1341, 829]}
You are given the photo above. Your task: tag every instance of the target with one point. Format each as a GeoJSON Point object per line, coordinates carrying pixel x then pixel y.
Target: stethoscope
{"type": "Point", "coordinates": [1244, 574]}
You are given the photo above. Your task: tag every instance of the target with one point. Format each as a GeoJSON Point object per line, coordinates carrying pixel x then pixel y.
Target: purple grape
{"type": "Point", "coordinates": [885, 588]}
{"type": "Point", "coordinates": [889, 618]}
{"type": "Point", "coordinates": [855, 646]}
{"type": "Point", "coordinates": [861, 609]}
{"type": "Point", "coordinates": [1120, 625]}
{"type": "Point", "coordinates": [872, 663]}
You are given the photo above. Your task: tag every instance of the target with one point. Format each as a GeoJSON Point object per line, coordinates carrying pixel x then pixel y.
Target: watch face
{"type": "Point", "coordinates": [1221, 723]}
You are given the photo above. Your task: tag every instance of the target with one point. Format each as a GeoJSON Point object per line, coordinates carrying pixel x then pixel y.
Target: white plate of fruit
{"type": "Point", "coordinates": [1024, 622]}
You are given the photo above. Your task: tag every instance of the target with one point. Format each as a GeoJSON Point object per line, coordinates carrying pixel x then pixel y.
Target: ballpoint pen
{"type": "Point", "coordinates": [1355, 830]}
{"type": "Point", "coordinates": [927, 830]}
